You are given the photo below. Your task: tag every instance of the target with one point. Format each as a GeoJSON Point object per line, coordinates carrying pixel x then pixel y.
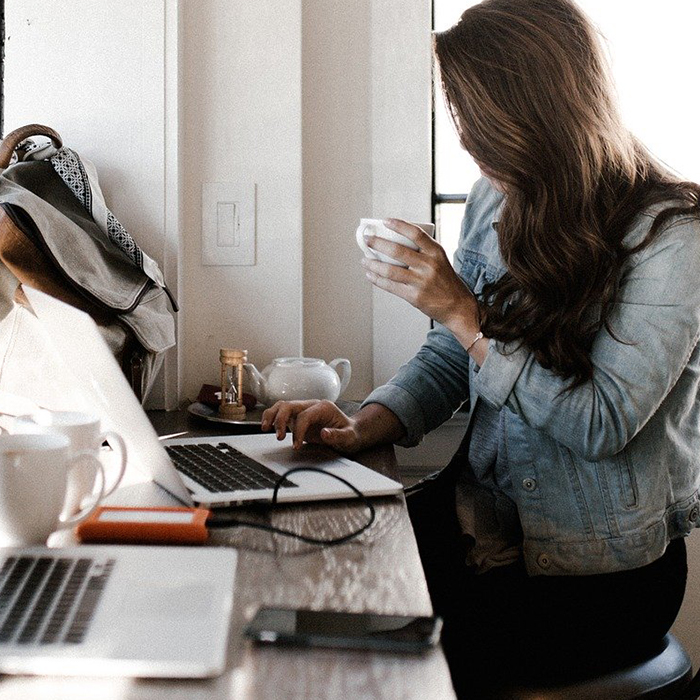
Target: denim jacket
{"type": "Point", "coordinates": [606, 474]}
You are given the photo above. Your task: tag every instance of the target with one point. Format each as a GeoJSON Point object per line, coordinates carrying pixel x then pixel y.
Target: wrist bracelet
{"type": "Point", "coordinates": [477, 338]}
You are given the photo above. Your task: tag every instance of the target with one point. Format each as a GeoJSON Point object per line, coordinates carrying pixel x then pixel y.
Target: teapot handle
{"type": "Point", "coordinates": [344, 373]}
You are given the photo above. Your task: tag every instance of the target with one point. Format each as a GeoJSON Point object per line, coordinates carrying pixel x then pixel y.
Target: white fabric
{"type": "Point", "coordinates": [29, 368]}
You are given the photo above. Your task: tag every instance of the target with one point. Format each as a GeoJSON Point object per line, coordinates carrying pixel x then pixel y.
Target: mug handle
{"type": "Point", "coordinates": [360, 238]}
{"type": "Point", "coordinates": [111, 437]}
{"type": "Point", "coordinates": [78, 518]}
{"type": "Point", "coordinates": [344, 374]}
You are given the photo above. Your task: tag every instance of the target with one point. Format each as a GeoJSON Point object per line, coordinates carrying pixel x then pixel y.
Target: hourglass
{"type": "Point", "coordinates": [232, 362]}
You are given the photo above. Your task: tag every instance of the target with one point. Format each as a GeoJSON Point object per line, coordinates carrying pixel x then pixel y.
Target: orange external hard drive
{"type": "Point", "coordinates": [117, 525]}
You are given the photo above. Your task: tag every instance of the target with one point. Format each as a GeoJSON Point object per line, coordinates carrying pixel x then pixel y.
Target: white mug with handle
{"type": "Point", "coordinates": [34, 474]}
{"type": "Point", "coordinates": [83, 432]}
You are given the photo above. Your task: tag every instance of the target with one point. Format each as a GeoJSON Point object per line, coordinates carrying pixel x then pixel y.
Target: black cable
{"type": "Point", "coordinates": [223, 523]}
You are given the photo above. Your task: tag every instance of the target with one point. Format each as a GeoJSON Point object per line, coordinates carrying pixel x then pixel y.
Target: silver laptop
{"type": "Point", "coordinates": [215, 471]}
{"type": "Point", "coordinates": [116, 611]}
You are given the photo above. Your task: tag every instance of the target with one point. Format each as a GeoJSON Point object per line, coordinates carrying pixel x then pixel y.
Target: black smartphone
{"type": "Point", "coordinates": [343, 630]}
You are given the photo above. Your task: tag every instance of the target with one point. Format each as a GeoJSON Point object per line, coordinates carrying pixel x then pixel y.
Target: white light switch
{"type": "Point", "coordinates": [228, 223]}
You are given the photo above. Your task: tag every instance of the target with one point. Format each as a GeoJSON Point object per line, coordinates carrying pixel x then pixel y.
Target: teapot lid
{"type": "Point", "coordinates": [298, 361]}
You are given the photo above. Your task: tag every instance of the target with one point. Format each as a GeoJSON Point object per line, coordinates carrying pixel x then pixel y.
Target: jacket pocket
{"type": "Point", "coordinates": [629, 495]}
{"type": "Point", "coordinates": [578, 492]}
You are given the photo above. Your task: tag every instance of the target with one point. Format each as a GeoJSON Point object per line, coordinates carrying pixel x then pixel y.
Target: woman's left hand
{"type": "Point", "coordinates": [429, 283]}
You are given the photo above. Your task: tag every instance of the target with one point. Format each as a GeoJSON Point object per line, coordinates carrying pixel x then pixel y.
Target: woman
{"type": "Point", "coordinates": [553, 540]}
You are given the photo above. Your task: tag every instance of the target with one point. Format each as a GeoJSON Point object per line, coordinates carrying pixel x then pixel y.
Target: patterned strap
{"type": "Point", "coordinates": [67, 164]}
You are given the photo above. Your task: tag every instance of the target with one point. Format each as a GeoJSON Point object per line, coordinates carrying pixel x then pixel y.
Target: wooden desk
{"type": "Point", "coordinates": [379, 572]}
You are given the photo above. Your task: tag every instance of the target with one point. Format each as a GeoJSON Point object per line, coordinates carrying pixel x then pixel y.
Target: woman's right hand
{"type": "Point", "coordinates": [319, 422]}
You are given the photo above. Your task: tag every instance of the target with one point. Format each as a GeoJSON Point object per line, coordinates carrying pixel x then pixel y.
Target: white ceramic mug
{"type": "Point", "coordinates": [34, 472]}
{"type": "Point", "coordinates": [83, 432]}
{"type": "Point", "coordinates": [376, 227]}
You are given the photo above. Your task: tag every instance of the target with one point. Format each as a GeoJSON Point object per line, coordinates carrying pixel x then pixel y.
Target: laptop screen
{"type": "Point", "coordinates": [103, 387]}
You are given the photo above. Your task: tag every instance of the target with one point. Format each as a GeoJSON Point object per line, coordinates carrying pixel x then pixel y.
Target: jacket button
{"type": "Point", "coordinates": [693, 515]}
{"type": "Point", "coordinates": [529, 484]}
{"type": "Point", "coordinates": [543, 561]}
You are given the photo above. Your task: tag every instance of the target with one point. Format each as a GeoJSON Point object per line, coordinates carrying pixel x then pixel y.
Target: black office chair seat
{"type": "Point", "coordinates": [664, 675]}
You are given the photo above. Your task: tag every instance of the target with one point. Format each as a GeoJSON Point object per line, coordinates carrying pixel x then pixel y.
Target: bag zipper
{"type": "Point", "coordinates": [136, 368]}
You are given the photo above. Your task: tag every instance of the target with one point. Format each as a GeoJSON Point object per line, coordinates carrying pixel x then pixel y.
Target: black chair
{"type": "Point", "coordinates": [666, 675]}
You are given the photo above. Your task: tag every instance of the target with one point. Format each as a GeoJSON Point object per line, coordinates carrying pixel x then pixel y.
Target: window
{"type": "Point", "coordinates": [454, 171]}
{"type": "Point", "coordinates": [654, 53]}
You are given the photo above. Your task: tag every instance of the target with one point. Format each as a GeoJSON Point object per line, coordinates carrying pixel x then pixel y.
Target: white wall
{"type": "Point", "coordinates": [302, 99]}
{"type": "Point", "coordinates": [401, 148]}
{"type": "Point", "coordinates": [337, 182]}
{"type": "Point", "coordinates": [366, 153]}
{"type": "Point", "coordinates": [96, 73]}
{"type": "Point", "coordinates": [241, 82]}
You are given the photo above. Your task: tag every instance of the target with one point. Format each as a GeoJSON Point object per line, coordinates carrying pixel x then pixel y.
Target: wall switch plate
{"type": "Point", "coordinates": [228, 223]}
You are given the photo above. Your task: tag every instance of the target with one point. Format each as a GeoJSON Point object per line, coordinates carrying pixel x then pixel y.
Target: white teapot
{"type": "Point", "coordinates": [291, 378]}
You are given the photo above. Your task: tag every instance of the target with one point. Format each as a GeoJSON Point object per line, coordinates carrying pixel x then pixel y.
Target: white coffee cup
{"type": "Point", "coordinates": [34, 472]}
{"type": "Point", "coordinates": [376, 227]}
{"type": "Point", "coordinates": [83, 432]}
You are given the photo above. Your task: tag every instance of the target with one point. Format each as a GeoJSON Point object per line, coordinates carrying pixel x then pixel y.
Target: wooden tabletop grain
{"type": "Point", "coordinates": [379, 571]}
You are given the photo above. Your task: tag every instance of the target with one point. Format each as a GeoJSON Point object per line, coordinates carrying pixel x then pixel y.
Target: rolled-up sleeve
{"type": "Point", "coordinates": [655, 325]}
{"type": "Point", "coordinates": [428, 389]}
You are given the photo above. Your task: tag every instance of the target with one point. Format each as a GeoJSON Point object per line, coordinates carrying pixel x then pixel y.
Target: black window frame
{"type": "Point", "coordinates": [438, 198]}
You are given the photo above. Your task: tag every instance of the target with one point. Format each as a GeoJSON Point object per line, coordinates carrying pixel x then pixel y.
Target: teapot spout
{"type": "Point", "coordinates": [256, 380]}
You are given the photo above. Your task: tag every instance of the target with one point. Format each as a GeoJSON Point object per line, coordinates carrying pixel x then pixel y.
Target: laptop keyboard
{"type": "Point", "coordinates": [221, 468]}
{"type": "Point", "coordinates": [50, 600]}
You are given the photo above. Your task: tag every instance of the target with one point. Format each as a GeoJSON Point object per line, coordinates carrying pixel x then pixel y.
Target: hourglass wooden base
{"type": "Point", "coordinates": [231, 410]}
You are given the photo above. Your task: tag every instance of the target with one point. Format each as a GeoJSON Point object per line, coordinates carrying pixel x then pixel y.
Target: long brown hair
{"type": "Point", "coordinates": [528, 88]}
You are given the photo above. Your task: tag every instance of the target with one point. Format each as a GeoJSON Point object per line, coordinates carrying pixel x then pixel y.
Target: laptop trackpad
{"type": "Point", "coordinates": [309, 456]}
{"type": "Point", "coordinates": [162, 602]}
